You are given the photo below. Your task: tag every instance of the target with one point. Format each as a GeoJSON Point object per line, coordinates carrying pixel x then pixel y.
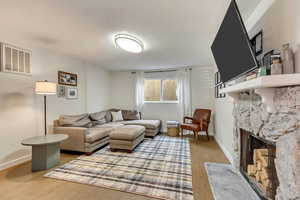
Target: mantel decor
{"type": "Point", "coordinates": [264, 86]}
{"type": "Point", "coordinates": [66, 78]}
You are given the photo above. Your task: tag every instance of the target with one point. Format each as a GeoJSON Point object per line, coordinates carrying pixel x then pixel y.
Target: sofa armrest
{"type": "Point", "coordinates": [76, 140]}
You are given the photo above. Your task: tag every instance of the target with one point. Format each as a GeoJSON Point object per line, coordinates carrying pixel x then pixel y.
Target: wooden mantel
{"type": "Point", "coordinates": [264, 86]}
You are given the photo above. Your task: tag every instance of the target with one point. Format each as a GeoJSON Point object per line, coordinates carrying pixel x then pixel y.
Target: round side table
{"type": "Point", "coordinates": [45, 150]}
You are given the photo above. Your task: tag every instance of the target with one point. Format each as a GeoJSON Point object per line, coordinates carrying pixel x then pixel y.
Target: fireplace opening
{"type": "Point", "coordinates": [257, 164]}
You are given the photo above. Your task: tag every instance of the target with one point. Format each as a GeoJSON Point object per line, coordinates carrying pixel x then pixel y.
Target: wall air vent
{"type": "Point", "coordinates": [15, 59]}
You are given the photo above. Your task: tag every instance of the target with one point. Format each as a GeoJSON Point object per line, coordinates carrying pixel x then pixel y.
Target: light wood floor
{"type": "Point", "coordinates": [19, 183]}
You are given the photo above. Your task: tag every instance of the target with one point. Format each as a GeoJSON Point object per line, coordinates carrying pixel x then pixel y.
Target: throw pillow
{"type": "Point", "coordinates": [98, 116]}
{"type": "Point", "coordinates": [108, 117]}
{"type": "Point", "coordinates": [130, 115]}
{"type": "Point", "coordinates": [117, 116]}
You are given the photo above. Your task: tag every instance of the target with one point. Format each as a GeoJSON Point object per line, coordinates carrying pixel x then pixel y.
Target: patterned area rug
{"type": "Point", "coordinates": [159, 168]}
{"type": "Point", "coordinates": [227, 183]}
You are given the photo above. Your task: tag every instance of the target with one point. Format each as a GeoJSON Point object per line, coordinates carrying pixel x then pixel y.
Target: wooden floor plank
{"type": "Point", "coordinates": [19, 183]}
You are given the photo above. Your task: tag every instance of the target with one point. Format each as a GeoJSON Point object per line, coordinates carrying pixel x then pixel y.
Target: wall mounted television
{"type": "Point", "coordinates": [232, 48]}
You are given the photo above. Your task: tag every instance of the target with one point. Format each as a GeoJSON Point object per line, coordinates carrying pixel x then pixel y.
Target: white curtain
{"type": "Point", "coordinates": [184, 92]}
{"type": "Point", "coordinates": [139, 91]}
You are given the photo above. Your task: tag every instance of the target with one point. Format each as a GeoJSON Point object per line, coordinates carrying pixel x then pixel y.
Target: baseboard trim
{"type": "Point", "coordinates": [225, 151]}
{"type": "Point", "coordinates": [15, 162]}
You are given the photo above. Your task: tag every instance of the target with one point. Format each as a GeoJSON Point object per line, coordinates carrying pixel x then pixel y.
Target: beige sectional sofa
{"type": "Point", "coordinates": [88, 132]}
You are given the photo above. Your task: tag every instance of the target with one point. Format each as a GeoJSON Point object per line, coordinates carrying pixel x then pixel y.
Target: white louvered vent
{"type": "Point", "coordinates": [15, 60]}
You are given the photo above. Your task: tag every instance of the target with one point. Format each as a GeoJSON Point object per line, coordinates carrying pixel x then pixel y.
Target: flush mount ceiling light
{"type": "Point", "coordinates": [129, 43]}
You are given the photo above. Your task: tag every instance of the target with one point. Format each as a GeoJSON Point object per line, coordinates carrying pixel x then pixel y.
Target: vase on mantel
{"type": "Point", "coordinates": [287, 58]}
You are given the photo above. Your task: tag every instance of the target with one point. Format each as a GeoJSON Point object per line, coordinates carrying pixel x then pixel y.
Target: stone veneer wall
{"type": "Point", "coordinates": [282, 126]}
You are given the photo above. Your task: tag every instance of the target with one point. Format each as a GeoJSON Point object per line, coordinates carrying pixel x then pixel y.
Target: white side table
{"type": "Point", "coordinates": [45, 150]}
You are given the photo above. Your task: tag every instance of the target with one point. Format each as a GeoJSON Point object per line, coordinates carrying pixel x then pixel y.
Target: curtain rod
{"type": "Point", "coordinates": [155, 71]}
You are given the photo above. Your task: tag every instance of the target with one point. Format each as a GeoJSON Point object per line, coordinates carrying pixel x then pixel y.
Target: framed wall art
{"type": "Point", "coordinates": [257, 43]}
{"type": "Point", "coordinates": [217, 78]}
{"type": "Point", "coordinates": [71, 93]}
{"type": "Point", "coordinates": [222, 95]}
{"type": "Point", "coordinates": [61, 91]}
{"type": "Point", "coordinates": [65, 78]}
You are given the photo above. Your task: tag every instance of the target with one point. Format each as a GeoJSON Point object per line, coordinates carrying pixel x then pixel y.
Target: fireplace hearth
{"type": "Point", "coordinates": [257, 164]}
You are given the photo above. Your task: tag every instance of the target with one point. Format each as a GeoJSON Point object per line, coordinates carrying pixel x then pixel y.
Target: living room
{"type": "Point", "coordinates": [74, 49]}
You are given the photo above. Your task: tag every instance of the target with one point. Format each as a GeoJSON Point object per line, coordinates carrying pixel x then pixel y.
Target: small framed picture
{"type": "Point", "coordinates": [219, 95]}
{"type": "Point", "coordinates": [216, 92]}
{"type": "Point", "coordinates": [65, 78]}
{"type": "Point", "coordinates": [257, 43]}
{"type": "Point", "coordinates": [217, 78]}
{"type": "Point", "coordinates": [61, 91]}
{"type": "Point", "coordinates": [72, 93]}
{"type": "Point", "coordinates": [222, 95]}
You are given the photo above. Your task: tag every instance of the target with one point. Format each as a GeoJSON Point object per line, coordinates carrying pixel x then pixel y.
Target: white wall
{"type": "Point", "coordinates": [123, 87]}
{"type": "Point", "coordinates": [123, 90]}
{"type": "Point", "coordinates": [98, 85]}
{"type": "Point", "coordinates": [21, 110]}
{"type": "Point", "coordinates": [223, 125]}
{"type": "Point", "coordinates": [280, 24]}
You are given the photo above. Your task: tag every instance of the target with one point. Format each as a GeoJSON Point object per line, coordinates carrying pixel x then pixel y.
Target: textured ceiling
{"type": "Point", "coordinates": [175, 32]}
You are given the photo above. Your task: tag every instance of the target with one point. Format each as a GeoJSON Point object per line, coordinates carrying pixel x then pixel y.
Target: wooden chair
{"type": "Point", "coordinates": [200, 122]}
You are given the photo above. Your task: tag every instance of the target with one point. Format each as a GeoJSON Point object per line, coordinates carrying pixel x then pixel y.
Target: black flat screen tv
{"type": "Point", "coordinates": [232, 48]}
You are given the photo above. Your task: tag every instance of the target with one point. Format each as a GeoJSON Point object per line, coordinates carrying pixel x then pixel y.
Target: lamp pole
{"type": "Point", "coordinates": [45, 113]}
{"type": "Point", "coordinates": [45, 88]}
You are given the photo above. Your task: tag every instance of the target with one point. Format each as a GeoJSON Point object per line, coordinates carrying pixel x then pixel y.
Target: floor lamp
{"type": "Point", "coordinates": [45, 88]}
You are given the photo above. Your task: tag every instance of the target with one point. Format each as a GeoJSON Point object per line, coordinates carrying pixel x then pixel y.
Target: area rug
{"type": "Point", "coordinates": [159, 168]}
{"type": "Point", "coordinates": [227, 183]}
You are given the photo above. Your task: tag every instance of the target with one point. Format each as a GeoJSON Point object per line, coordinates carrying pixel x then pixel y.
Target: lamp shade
{"type": "Point", "coordinates": [45, 88]}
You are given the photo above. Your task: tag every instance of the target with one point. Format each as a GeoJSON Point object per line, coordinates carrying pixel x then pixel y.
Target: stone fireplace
{"type": "Point", "coordinates": [277, 131]}
{"type": "Point", "coordinates": [258, 164]}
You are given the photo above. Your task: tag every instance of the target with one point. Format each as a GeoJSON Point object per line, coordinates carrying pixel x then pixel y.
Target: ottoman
{"type": "Point", "coordinates": [152, 126]}
{"type": "Point", "coordinates": [126, 137]}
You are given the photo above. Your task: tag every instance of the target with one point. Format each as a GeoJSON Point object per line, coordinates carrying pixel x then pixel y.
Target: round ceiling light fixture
{"type": "Point", "coordinates": [129, 43]}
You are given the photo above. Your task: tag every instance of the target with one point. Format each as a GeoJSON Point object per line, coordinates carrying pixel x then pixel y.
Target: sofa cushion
{"type": "Point", "coordinates": [111, 125]}
{"type": "Point", "coordinates": [95, 134]}
{"type": "Point", "coordinates": [130, 132]}
{"type": "Point", "coordinates": [108, 116]}
{"type": "Point", "coordinates": [98, 118]}
{"type": "Point", "coordinates": [148, 124]}
{"type": "Point", "coordinates": [82, 120]}
{"type": "Point", "coordinates": [98, 115]}
{"type": "Point", "coordinates": [130, 115]}
{"type": "Point", "coordinates": [117, 116]}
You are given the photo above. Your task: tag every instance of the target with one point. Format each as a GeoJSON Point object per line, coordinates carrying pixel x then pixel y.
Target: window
{"type": "Point", "coordinates": [160, 90]}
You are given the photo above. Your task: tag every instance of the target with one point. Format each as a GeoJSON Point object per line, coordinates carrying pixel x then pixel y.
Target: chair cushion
{"type": "Point", "coordinates": [148, 124]}
{"type": "Point", "coordinates": [192, 127]}
{"type": "Point", "coordinates": [128, 132]}
{"type": "Point", "coordinates": [95, 134]}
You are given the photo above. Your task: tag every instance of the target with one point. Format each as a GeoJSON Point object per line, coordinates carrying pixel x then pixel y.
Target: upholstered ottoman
{"type": "Point", "coordinates": [126, 137]}
{"type": "Point", "coordinates": [152, 126]}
